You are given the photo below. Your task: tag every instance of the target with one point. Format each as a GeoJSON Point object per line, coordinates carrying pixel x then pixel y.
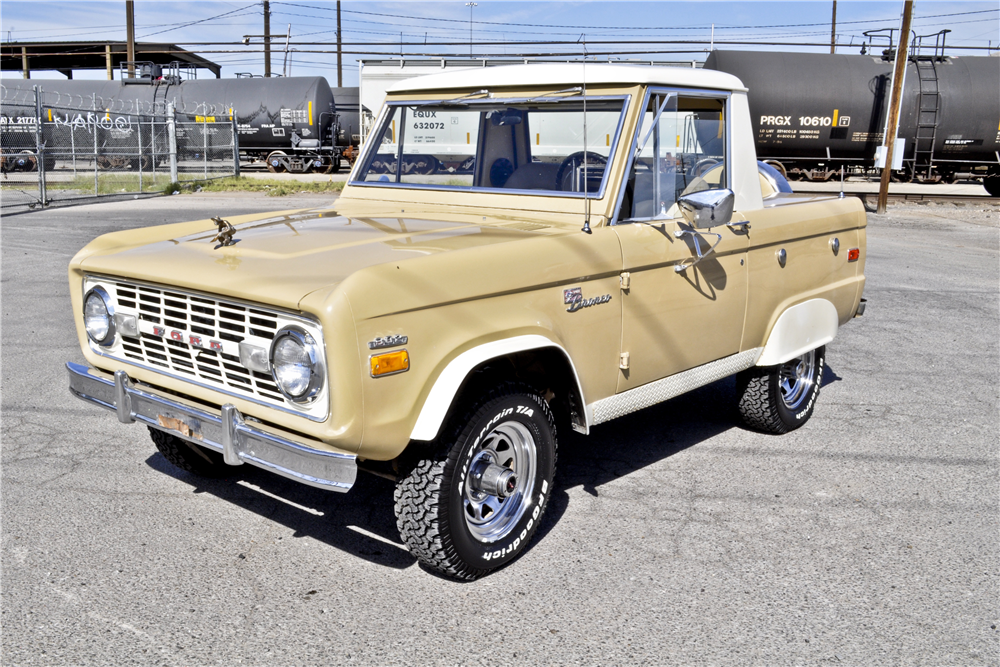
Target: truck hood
{"type": "Point", "coordinates": [280, 258]}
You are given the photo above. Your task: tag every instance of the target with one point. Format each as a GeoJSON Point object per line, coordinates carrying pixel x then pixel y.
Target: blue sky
{"type": "Point", "coordinates": [379, 26]}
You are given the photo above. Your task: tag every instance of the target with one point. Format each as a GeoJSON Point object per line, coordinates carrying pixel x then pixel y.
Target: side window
{"type": "Point", "coordinates": [680, 150]}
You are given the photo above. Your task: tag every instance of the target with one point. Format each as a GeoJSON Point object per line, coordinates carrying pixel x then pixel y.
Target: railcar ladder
{"type": "Point", "coordinates": [928, 109]}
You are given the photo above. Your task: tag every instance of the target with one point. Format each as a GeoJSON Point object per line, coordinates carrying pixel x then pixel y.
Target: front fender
{"type": "Point", "coordinates": [448, 382]}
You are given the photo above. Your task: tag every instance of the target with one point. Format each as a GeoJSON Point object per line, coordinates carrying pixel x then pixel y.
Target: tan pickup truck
{"type": "Point", "coordinates": [518, 248]}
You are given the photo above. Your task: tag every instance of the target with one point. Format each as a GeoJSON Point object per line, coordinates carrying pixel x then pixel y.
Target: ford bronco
{"type": "Point", "coordinates": [517, 250]}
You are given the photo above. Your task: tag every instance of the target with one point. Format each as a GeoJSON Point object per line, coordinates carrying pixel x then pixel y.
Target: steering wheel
{"type": "Point", "coordinates": [704, 165]}
{"type": "Point", "coordinates": [574, 159]}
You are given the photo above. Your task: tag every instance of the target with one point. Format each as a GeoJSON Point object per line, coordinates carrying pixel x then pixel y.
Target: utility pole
{"type": "Point", "coordinates": [130, 36]}
{"type": "Point", "coordinates": [894, 101]}
{"type": "Point", "coordinates": [833, 29]}
{"type": "Point", "coordinates": [267, 38]}
{"type": "Point", "coordinates": [284, 66]}
{"type": "Point", "coordinates": [340, 64]}
{"type": "Point", "coordinates": [471, 6]}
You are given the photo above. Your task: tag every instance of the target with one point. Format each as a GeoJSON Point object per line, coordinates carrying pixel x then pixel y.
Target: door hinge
{"type": "Point", "coordinates": [623, 364]}
{"type": "Point", "coordinates": [625, 279]}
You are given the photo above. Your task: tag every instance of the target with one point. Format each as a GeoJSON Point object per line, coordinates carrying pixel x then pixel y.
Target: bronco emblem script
{"type": "Point", "coordinates": [574, 297]}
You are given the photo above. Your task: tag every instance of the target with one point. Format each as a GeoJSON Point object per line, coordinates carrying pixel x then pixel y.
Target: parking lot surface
{"type": "Point", "coordinates": [674, 536]}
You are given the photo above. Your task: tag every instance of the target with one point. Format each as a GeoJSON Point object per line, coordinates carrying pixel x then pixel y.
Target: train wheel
{"type": "Point", "coordinates": [107, 163]}
{"type": "Point", "coordinates": [25, 161]}
{"type": "Point", "coordinates": [420, 164]}
{"type": "Point", "coordinates": [275, 162]}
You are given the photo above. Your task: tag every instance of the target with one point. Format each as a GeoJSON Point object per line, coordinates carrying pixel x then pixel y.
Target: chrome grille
{"type": "Point", "coordinates": [168, 318]}
{"type": "Point", "coordinates": [202, 315]}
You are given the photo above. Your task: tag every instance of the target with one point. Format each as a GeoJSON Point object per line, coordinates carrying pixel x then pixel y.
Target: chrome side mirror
{"type": "Point", "coordinates": [707, 208]}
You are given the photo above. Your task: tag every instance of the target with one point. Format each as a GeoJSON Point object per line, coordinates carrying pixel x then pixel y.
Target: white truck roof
{"type": "Point", "coordinates": [570, 74]}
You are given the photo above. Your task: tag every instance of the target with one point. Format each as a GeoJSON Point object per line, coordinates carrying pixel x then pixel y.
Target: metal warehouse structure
{"type": "Point", "coordinates": [65, 57]}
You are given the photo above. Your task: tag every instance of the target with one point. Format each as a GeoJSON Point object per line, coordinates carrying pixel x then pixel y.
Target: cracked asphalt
{"type": "Point", "coordinates": [674, 536]}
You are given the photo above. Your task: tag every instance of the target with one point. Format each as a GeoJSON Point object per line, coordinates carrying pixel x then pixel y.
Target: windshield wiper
{"type": "Point", "coordinates": [540, 98]}
{"type": "Point", "coordinates": [456, 101]}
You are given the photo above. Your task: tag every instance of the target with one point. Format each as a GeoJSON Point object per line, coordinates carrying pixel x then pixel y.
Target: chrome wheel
{"type": "Point", "coordinates": [476, 507]}
{"type": "Point", "coordinates": [500, 482]}
{"type": "Point", "coordinates": [796, 378]}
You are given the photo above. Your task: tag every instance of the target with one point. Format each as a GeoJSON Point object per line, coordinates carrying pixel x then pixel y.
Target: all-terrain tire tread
{"type": "Point", "coordinates": [757, 405]}
{"type": "Point", "coordinates": [420, 517]}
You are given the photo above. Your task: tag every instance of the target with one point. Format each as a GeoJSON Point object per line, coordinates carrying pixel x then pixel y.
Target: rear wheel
{"type": "Point", "coordinates": [189, 456]}
{"type": "Point", "coordinates": [779, 399]}
{"type": "Point", "coordinates": [476, 505]}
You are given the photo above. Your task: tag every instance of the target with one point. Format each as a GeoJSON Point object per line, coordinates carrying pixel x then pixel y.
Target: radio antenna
{"type": "Point", "coordinates": [586, 193]}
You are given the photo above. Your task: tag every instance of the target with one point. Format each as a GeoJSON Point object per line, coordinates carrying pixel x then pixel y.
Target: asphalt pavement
{"type": "Point", "coordinates": [673, 536]}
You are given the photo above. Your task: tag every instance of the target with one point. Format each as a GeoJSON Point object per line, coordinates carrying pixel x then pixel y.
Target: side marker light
{"type": "Point", "coordinates": [853, 254]}
{"type": "Point", "coordinates": [389, 363]}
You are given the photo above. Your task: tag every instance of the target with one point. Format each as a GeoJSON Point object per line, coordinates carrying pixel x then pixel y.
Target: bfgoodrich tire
{"type": "Point", "coordinates": [189, 456]}
{"type": "Point", "coordinates": [779, 399]}
{"type": "Point", "coordinates": [475, 506]}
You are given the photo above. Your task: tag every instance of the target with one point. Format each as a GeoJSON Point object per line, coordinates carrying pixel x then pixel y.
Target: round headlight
{"type": "Point", "coordinates": [297, 364]}
{"type": "Point", "coordinates": [99, 316]}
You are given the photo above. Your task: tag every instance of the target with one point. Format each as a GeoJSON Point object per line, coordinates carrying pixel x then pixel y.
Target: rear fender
{"type": "Point", "coordinates": [801, 328]}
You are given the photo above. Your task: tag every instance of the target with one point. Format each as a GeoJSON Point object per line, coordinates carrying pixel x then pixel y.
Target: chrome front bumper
{"type": "Point", "coordinates": [224, 430]}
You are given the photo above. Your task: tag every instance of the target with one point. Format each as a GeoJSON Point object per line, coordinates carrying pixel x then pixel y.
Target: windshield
{"type": "Point", "coordinates": [526, 144]}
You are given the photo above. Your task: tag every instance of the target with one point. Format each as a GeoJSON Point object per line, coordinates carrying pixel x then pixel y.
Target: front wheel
{"type": "Point", "coordinates": [779, 399]}
{"type": "Point", "coordinates": [189, 456]}
{"type": "Point", "coordinates": [475, 506]}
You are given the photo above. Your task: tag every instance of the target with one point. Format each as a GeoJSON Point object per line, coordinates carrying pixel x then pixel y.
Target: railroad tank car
{"type": "Point", "coordinates": [815, 113]}
{"type": "Point", "coordinates": [291, 122]}
{"type": "Point", "coordinates": [354, 119]}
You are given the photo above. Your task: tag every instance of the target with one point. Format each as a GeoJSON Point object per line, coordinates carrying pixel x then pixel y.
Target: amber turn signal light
{"type": "Point", "coordinates": [853, 254]}
{"type": "Point", "coordinates": [389, 363]}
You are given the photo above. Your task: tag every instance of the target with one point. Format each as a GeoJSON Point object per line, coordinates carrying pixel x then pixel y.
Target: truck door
{"type": "Point", "coordinates": [679, 310]}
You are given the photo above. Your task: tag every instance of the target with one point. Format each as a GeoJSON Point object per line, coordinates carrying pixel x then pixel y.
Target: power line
{"type": "Point", "coordinates": [590, 27]}
{"type": "Point", "coordinates": [210, 18]}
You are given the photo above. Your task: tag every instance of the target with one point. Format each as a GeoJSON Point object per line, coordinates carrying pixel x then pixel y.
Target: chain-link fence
{"type": "Point", "coordinates": [56, 152]}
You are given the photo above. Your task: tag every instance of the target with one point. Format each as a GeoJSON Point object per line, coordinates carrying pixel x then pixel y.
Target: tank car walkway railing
{"type": "Point", "coordinates": [52, 152]}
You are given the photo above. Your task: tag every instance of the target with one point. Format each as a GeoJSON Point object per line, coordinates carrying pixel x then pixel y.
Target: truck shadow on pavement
{"type": "Point", "coordinates": [362, 522]}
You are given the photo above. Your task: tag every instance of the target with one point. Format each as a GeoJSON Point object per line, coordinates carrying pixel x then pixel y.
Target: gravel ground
{"type": "Point", "coordinates": [673, 536]}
